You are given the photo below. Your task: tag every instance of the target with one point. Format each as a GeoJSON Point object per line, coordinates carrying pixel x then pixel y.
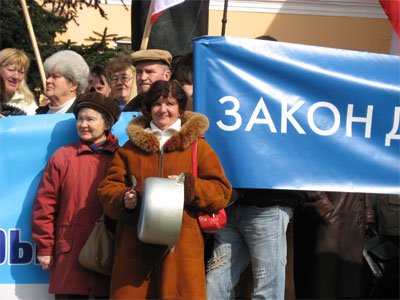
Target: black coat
{"type": "Point", "coordinates": [135, 104]}
{"type": "Point", "coordinates": [9, 110]}
{"type": "Point", "coordinates": [44, 109]}
{"type": "Point", "coordinates": [328, 249]}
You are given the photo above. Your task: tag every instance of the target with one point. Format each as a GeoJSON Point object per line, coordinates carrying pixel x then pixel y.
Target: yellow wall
{"type": "Point", "coordinates": [118, 22]}
{"type": "Point", "coordinates": [364, 34]}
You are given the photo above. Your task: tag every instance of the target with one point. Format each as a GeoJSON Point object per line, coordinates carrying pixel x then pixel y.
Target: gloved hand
{"type": "Point", "coordinates": [320, 203]}
{"type": "Point", "coordinates": [323, 207]}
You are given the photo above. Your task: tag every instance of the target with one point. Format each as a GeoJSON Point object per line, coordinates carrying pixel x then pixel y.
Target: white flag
{"type": "Point", "coordinates": [160, 6]}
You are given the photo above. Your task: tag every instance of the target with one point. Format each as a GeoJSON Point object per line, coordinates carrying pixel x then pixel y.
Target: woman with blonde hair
{"type": "Point", "coordinates": [14, 64]}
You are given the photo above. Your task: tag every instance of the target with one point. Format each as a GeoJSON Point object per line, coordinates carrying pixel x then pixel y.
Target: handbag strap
{"type": "Point", "coordinates": [194, 158]}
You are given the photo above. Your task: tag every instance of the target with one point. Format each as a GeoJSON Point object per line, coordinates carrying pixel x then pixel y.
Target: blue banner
{"type": "Point", "coordinates": [26, 143]}
{"type": "Point", "coordinates": [289, 116]}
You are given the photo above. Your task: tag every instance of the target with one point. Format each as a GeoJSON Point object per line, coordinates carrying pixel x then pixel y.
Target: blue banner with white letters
{"type": "Point", "coordinates": [290, 116]}
{"type": "Point", "coordinates": [26, 143]}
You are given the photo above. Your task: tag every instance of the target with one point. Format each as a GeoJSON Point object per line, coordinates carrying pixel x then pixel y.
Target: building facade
{"type": "Point", "coordinates": [355, 25]}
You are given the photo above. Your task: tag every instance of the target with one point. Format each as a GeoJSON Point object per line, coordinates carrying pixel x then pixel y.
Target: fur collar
{"type": "Point", "coordinates": [7, 109]}
{"type": "Point", "coordinates": [194, 125]}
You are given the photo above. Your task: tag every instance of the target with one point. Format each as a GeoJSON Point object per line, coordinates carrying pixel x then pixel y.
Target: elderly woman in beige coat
{"type": "Point", "coordinates": [160, 145]}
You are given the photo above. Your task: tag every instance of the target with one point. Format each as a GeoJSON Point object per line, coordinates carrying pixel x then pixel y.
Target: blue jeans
{"type": "Point", "coordinates": [253, 234]}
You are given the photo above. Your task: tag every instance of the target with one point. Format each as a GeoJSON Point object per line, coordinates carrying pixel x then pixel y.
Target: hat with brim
{"type": "Point", "coordinates": [155, 55]}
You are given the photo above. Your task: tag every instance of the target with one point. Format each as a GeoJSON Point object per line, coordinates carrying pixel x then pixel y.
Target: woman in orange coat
{"type": "Point", "coordinates": [160, 145]}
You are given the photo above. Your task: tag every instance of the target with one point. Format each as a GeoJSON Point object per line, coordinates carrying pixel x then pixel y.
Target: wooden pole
{"type": "Point", "coordinates": [34, 43]}
{"type": "Point", "coordinates": [224, 17]}
{"type": "Point", "coordinates": [147, 28]}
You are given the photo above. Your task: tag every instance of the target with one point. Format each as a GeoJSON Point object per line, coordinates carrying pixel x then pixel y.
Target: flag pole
{"type": "Point", "coordinates": [147, 28]}
{"type": "Point", "coordinates": [34, 43]}
{"type": "Point", "coordinates": [224, 18]}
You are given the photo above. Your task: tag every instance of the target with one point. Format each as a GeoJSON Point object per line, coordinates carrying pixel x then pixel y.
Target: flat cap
{"type": "Point", "coordinates": [156, 55]}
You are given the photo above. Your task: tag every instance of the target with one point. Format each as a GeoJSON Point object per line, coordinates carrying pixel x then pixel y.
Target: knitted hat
{"type": "Point", "coordinates": [155, 55]}
{"type": "Point", "coordinates": [98, 102]}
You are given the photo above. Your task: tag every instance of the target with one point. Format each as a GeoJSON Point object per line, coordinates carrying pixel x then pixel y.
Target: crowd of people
{"type": "Point", "coordinates": [329, 228]}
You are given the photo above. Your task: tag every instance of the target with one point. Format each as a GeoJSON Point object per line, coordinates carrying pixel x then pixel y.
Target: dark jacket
{"type": "Point", "coordinates": [387, 213]}
{"type": "Point", "coordinates": [328, 246]}
{"type": "Point", "coordinates": [135, 104]}
{"type": "Point", "coordinates": [9, 110]}
{"type": "Point", "coordinates": [269, 197]}
{"type": "Point", "coordinates": [44, 109]}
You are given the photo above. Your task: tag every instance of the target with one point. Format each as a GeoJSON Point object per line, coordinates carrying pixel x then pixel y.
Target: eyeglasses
{"type": "Point", "coordinates": [124, 79]}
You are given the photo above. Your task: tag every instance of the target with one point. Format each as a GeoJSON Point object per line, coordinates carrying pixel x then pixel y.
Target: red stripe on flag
{"type": "Point", "coordinates": [155, 16]}
{"type": "Point", "coordinates": [160, 6]}
{"type": "Point", "coordinates": [392, 10]}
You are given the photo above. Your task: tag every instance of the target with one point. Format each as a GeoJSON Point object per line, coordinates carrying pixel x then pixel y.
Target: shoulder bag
{"type": "Point", "coordinates": [98, 252]}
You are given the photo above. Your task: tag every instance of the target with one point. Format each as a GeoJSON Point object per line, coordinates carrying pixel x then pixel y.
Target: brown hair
{"type": "Point", "coordinates": [183, 69]}
{"type": "Point", "coordinates": [164, 89]}
{"type": "Point", "coordinates": [119, 63]}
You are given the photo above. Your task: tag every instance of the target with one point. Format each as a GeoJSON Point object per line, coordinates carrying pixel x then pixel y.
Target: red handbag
{"type": "Point", "coordinates": [209, 222]}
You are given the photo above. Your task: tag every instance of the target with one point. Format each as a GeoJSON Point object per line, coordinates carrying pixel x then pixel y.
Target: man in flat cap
{"type": "Point", "coordinates": [151, 65]}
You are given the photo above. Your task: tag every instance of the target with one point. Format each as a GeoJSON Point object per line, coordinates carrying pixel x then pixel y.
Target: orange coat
{"type": "Point", "coordinates": [152, 271]}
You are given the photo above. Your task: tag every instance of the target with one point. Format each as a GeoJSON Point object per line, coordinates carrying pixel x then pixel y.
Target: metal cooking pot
{"type": "Point", "coordinates": [160, 218]}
